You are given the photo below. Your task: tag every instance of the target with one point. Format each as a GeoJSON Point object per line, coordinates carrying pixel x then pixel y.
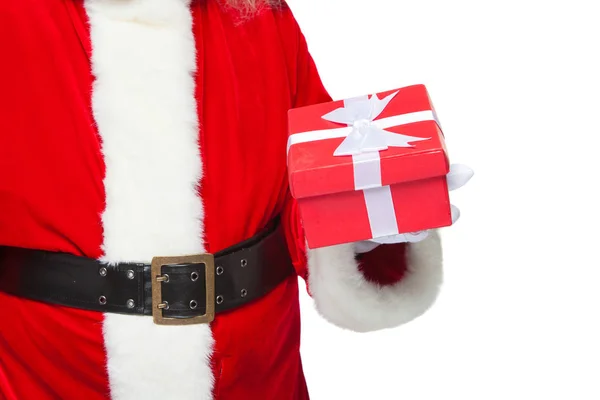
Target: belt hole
{"type": "Point", "coordinates": [103, 271]}
{"type": "Point", "coordinates": [193, 304]}
{"type": "Point", "coordinates": [244, 262]}
{"type": "Point", "coordinates": [102, 300]}
{"type": "Point", "coordinates": [130, 274]}
{"type": "Point", "coordinates": [244, 292]}
{"type": "Point", "coordinates": [220, 270]}
{"type": "Point", "coordinates": [194, 276]}
{"type": "Point", "coordinates": [219, 299]}
{"type": "Point", "coordinates": [130, 303]}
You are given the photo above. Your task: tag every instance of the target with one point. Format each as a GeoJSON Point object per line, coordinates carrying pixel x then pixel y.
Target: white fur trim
{"type": "Point", "coordinates": [345, 298]}
{"type": "Point", "coordinates": [143, 58]}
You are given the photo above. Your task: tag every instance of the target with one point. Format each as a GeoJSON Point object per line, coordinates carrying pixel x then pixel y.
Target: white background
{"type": "Point", "coordinates": [516, 86]}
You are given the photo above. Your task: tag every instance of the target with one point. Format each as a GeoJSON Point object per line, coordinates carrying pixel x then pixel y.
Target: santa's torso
{"type": "Point", "coordinates": [111, 113]}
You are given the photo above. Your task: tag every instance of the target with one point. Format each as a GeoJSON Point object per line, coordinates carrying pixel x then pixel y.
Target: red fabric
{"type": "Point", "coordinates": [52, 194]}
{"type": "Point", "coordinates": [385, 264]}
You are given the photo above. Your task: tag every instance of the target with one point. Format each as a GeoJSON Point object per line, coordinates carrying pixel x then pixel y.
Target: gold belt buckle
{"type": "Point", "coordinates": [158, 279]}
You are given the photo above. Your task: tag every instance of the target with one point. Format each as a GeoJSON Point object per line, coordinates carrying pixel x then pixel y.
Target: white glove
{"type": "Point", "coordinates": [458, 176]}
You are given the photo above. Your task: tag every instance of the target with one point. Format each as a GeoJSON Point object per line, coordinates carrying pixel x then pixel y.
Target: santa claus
{"type": "Point", "coordinates": [150, 247]}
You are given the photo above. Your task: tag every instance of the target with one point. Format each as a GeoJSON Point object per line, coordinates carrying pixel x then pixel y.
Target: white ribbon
{"type": "Point", "coordinates": [381, 212]}
{"type": "Point", "coordinates": [365, 136]}
{"type": "Point", "coordinates": [373, 128]}
{"type": "Point", "coordinates": [359, 113]}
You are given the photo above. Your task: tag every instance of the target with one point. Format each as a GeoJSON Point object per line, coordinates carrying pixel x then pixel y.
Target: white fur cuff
{"type": "Point", "coordinates": [345, 298]}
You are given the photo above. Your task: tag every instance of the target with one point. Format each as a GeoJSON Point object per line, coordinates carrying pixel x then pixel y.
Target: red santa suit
{"type": "Point", "coordinates": [130, 129]}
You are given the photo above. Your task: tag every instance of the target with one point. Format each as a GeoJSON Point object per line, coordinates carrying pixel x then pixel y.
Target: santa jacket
{"type": "Point", "coordinates": [131, 129]}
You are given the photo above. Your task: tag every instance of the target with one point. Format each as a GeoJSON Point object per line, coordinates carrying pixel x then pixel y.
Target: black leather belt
{"type": "Point", "coordinates": [175, 290]}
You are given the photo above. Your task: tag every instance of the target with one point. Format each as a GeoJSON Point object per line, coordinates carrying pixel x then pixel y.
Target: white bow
{"type": "Point", "coordinates": [365, 136]}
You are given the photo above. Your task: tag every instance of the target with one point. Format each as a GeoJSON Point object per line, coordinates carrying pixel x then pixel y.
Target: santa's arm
{"type": "Point", "coordinates": [382, 288]}
{"type": "Point", "coordinates": [386, 287]}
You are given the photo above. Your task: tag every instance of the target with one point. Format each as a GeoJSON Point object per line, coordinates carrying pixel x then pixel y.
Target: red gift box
{"type": "Point", "coordinates": [368, 167]}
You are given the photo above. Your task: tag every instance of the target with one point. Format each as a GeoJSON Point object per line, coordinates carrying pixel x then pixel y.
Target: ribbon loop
{"type": "Point", "coordinates": [360, 114]}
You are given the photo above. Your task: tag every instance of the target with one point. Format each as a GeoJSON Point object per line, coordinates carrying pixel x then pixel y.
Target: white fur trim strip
{"type": "Point", "coordinates": [345, 298]}
{"type": "Point", "coordinates": [143, 58]}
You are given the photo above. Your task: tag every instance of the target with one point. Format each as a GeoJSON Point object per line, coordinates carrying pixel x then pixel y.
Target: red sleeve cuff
{"type": "Point", "coordinates": [385, 264]}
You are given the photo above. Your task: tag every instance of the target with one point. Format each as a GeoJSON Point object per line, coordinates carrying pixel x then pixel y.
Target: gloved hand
{"type": "Point", "coordinates": [458, 176]}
